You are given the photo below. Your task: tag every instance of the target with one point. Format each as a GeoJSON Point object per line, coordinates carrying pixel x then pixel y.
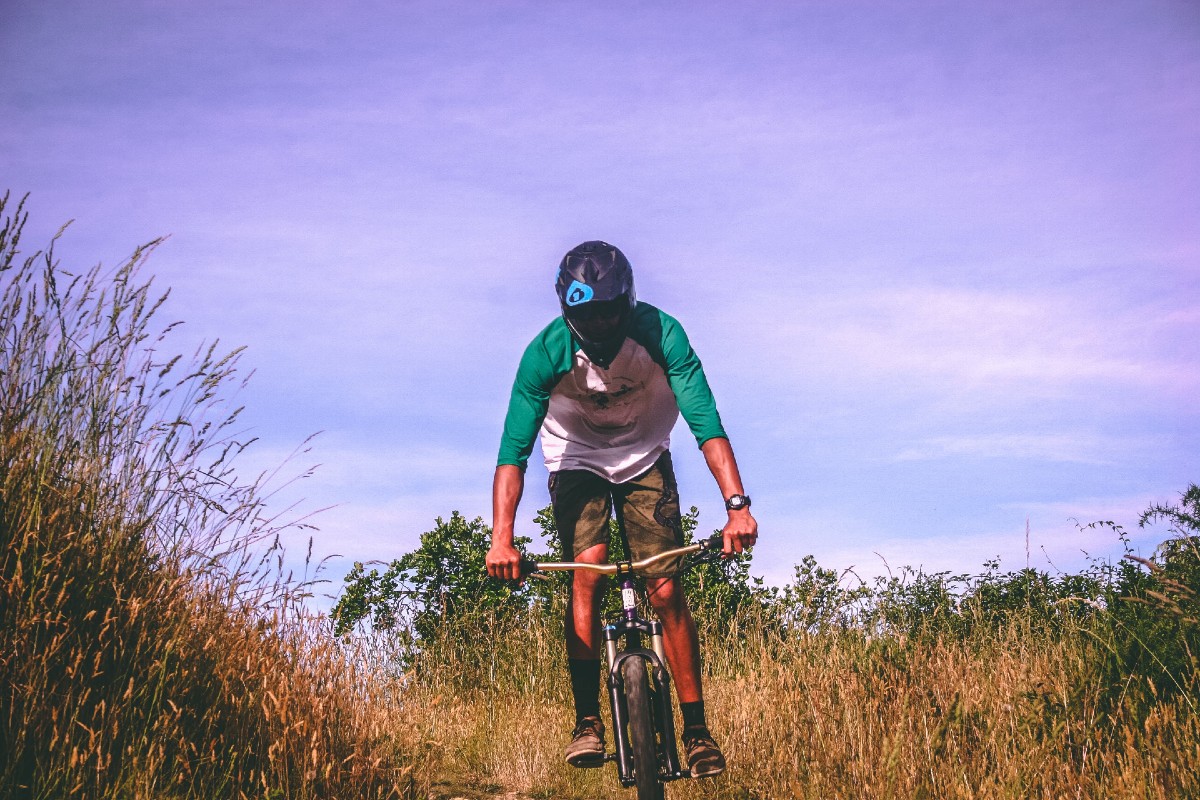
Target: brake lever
{"type": "Point", "coordinates": [710, 550]}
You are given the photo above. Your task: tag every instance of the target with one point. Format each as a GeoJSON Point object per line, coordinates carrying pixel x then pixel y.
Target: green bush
{"type": "Point", "coordinates": [432, 589]}
{"type": "Point", "coordinates": [1153, 600]}
{"type": "Point", "coordinates": [1150, 636]}
{"type": "Point", "coordinates": [439, 585]}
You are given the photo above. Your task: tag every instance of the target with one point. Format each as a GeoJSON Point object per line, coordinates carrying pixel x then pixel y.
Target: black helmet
{"type": "Point", "coordinates": [595, 290]}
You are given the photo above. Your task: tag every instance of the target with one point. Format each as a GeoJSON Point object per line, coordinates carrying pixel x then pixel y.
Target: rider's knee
{"type": "Point", "coordinates": [587, 584]}
{"type": "Point", "coordinates": [666, 595]}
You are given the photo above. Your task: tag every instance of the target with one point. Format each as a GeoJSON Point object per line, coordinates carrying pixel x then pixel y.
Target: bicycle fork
{"type": "Point", "coordinates": [630, 626]}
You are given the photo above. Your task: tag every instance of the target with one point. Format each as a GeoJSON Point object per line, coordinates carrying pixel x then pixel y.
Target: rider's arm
{"type": "Point", "coordinates": [699, 410]}
{"type": "Point", "coordinates": [547, 358]}
{"type": "Point", "coordinates": [504, 560]}
{"type": "Point", "coordinates": [544, 362]}
{"type": "Point", "coordinates": [685, 374]}
{"type": "Point", "coordinates": [741, 529]}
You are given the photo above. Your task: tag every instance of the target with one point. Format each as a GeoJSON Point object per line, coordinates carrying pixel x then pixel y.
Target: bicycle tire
{"type": "Point", "coordinates": [641, 730]}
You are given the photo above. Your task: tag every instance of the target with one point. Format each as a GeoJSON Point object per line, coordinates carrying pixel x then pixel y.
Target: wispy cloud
{"type": "Point", "coordinates": [1063, 447]}
{"type": "Point", "coordinates": [984, 342]}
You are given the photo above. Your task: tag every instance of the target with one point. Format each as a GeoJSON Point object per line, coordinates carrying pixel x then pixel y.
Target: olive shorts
{"type": "Point", "coordinates": [649, 504]}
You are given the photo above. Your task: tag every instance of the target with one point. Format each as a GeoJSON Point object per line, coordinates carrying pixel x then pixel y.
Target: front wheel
{"type": "Point", "coordinates": [641, 729]}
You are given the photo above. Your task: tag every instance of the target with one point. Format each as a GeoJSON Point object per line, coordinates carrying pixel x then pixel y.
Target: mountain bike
{"type": "Point", "coordinates": [639, 685]}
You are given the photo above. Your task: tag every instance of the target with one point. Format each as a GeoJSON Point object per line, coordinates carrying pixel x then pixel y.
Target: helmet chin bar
{"type": "Point", "coordinates": [603, 355]}
{"type": "Point", "coordinates": [600, 352]}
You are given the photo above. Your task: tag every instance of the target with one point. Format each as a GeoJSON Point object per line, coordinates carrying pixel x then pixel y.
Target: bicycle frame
{"type": "Point", "coordinates": [631, 627]}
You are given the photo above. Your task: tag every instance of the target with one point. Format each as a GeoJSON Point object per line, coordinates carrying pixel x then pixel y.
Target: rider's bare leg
{"type": "Point", "coordinates": [583, 659]}
{"type": "Point", "coordinates": [583, 606]}
{"type": "Point", "coordinates": [680, 639]}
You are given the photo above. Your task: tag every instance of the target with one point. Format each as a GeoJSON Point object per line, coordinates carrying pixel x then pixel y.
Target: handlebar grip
{"type": "Point", "coordinates": [527, 568]}
{"type": "Point", "coordinates": [714, 542]}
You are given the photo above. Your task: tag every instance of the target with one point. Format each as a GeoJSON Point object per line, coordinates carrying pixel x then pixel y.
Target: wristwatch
{"type": "Point", "coordinates": [736, 502]}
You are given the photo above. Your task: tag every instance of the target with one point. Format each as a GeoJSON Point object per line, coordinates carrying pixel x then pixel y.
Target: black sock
{"type": "Point", "coordinates": [693, 714]}
{"type": "Point", "coordinates": [585, 686]}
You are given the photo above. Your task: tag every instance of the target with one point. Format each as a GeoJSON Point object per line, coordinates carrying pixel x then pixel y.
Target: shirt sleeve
{"type": "Point", "coordinates": [527, 405]}
{"type": "Point", "coordinates": [686, 376]}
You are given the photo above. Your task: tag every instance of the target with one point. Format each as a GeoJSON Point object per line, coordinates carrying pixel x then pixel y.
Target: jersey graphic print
{"type": "Point", "coordinates": [614, 406]}
{"type": "Point", "coordinates": [617, 398]}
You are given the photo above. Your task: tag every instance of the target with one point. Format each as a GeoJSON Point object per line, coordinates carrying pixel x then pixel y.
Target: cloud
{"type": "Point", "coordinates": [994, 345]}
{"type": "Point", "coordinates": [1078, 448]}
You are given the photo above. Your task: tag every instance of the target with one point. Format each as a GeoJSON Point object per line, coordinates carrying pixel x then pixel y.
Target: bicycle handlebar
{"type": "Point", "coordinates": [714, 542]}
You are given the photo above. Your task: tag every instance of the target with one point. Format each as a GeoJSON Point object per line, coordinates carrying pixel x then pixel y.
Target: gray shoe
{"type": "Point", "coordinates": [705, 759]}
{"type": "Point", "coordinates": [586, 749]}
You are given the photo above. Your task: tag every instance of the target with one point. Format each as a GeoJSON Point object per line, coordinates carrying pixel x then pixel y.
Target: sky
{"type": "Point", "coordinates": [941, 260]}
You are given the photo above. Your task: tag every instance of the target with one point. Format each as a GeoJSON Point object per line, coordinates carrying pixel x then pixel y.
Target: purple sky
{"type": "Point", "coordinates": [940, 259]}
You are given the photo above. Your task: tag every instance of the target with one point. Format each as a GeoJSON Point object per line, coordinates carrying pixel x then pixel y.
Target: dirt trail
{"type": "Point", "coordinates": [457, 795]}
{"type": "Point", "coordinates": [460, 792]}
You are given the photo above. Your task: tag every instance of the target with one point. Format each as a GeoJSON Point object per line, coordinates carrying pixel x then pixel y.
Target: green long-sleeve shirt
{"type": "Point", "coordinates": [615, 422]}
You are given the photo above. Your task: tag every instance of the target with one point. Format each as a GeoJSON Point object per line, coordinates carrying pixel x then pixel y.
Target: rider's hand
{"type": "Point", "coordinates": [740, 532]}
{"type": "Point", "coordinates": [504, 562]}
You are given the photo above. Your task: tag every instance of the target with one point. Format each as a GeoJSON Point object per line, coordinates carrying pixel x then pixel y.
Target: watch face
{"type": "Point", "coordinates": [737, 502]}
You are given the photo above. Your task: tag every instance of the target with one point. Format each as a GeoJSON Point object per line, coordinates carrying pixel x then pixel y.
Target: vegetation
{"type": "Point", "coordinates": [913, 685]}
{"type": "Point", "coordinates": [150, 648]}
{"type": "Point", "coordinates": [147, 649]}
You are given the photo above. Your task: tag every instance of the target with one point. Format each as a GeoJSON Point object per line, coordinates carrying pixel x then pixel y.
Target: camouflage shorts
{"type": "Point", "coordinates": [582, 502]}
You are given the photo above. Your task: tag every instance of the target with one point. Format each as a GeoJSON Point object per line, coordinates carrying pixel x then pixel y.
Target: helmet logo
{"type": "Point", "coordinates": [578, 293]}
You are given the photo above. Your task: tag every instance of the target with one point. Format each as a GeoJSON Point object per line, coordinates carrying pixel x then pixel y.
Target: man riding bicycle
{"type": "Point", "coordinates": [605, 383]}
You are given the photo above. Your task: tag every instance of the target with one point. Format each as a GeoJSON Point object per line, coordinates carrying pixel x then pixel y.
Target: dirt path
{"type": "Point", "coordinates": [450, 791]}
{"type": "Point", "coordinates": [477, 795]}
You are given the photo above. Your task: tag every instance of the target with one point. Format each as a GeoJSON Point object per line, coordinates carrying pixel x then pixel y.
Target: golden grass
{"type": "Point", "coordinates": [833, 714]}
{"type": "Point", "coordinates": [147, 649]}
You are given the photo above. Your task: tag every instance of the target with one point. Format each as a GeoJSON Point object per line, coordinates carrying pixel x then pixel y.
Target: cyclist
{"type": "Point", "coordinates": [605, 383]}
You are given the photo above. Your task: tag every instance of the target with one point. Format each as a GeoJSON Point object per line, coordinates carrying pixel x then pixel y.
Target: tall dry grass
{"type": "Point", "coordinates": [831, 713]}
{"type": "Point", "coordinates": [149, 646]}
{"type": "Point", "coordinates": [995, 715]}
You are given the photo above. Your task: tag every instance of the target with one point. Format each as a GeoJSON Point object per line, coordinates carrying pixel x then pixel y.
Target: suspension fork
{"type": "Point", "coordinates": [630, 626]}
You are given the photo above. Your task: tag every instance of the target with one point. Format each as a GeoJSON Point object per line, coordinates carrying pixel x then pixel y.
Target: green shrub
{"type": "Point", "coordinates": [1150, 637]}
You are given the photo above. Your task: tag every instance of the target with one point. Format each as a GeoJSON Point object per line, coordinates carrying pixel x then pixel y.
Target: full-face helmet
{"type": "Point", "coordinates": [595, 291]}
